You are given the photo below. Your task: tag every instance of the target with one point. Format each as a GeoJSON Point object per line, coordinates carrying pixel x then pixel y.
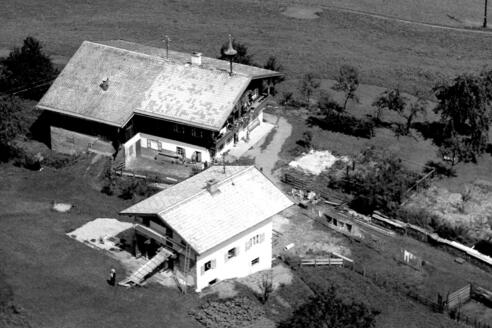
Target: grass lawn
{"type": "Point", "coordinates": [444, 12]}
{"type": "Point", "coordinates": [58, 281]}
{"type": "Point", "coordinates": [396, 310]}
{"type": "Point", "coordinates": [413, 150]}
{"type": "Point", "coordinates": [387, 53]}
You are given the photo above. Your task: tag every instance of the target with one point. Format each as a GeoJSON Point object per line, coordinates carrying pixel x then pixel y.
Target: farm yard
{"type": "Point", "coordinates": [47, 279]}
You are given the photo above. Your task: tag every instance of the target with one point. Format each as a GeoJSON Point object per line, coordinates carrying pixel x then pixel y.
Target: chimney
{"type": "Point", "coordinates": [213, 186]}
{"type": "Point", "coordinates": [196, 58]}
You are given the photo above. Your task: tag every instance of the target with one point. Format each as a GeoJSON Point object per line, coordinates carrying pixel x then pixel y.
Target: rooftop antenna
{"type": "Point", "coordinates": [230, 52]}
{"type": "Point", "coordinates": [166, 41]}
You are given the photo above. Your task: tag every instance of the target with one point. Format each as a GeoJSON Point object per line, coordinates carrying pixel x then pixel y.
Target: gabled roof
{"type": "Point", "coordinates": [204, 219]}
{"type": "Point", "coordinates": [142, 80]}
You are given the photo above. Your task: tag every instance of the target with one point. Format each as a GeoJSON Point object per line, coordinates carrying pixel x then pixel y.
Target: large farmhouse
{"type": "Point", "coordinates": [153, 102]}
{"type": "Point", "coordinates": [217, 224]}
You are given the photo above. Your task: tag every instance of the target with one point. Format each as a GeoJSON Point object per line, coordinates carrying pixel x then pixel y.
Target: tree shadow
{"type": "Point", "coordinates": [431, 130]}
{"type": "Point", "coordinates": [344, 124]}
{"type": "Point", "coordinates": [488, 150]}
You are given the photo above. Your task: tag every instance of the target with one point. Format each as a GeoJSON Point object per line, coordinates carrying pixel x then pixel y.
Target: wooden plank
{"type": "Point", "coordinates": [343, 257]}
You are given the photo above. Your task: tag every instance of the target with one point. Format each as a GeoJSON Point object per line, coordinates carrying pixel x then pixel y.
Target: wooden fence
{"type": "Point", "coordinates": [305, 183]}
{"type": "Point", "coordinates": [458, 297]}
{"type": "Point", "coordinates": [320, 262]}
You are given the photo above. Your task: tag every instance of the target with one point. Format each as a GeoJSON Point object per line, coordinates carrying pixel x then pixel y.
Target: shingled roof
{"type": "Point", "coordinates": [142, 80]}
{"type": "Point", "coordinates": [204, 219]}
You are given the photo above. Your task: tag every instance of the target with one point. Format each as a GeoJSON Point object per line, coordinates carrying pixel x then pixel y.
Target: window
{"type": "Point", "coordinates": [256, 239]}
{"type": "Point", "coordinates": [211, 282]}
{"type": "Point", "coordinates": [255, 261]}
{"type": "Point", "coordinates": [179, 129]}
{"type": "Point", "coordinates": [180, 151]}
{"type": "Point", "coordinates": [169, 233]}
{"type": "Point", "coordinates": [196, 133]}
{"type": "Point", "coordinates": [208, 266]}
{"type": "Point", "coordinates": [231, 253]}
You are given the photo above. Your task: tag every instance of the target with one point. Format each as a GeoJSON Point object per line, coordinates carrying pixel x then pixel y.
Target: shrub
{"type": "Point", "coordinates": [327, 310]}
{"type": "Point", "coordinates": [229, 313]}
{"type": "Point", "coordinates": [266, 288]}
{"type": "Point", "coordinates": [131, 188]}
{"type": "Point", "coordinates": [28, 161]}
{"type": "Point", "coordinates": [441, 169]}
{"type": "Point", "coordinates": [58, 161]}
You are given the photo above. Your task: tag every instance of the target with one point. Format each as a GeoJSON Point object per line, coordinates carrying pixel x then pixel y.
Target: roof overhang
{"type": "Point", "coordinates": [87, 118]}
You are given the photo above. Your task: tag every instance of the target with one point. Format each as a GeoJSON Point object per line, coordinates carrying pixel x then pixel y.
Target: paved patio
{"type": "Point", "coordinates": [255, 137]}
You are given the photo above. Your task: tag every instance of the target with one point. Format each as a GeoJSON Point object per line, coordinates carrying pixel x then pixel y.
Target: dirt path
{"type": "Point", "coordinates": [406, 21]}
{"type": "Point", "coordinates": [266, 159]}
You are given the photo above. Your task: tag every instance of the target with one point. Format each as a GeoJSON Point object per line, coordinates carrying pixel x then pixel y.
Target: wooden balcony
{"type": "Point", "coordinates": [160, 238]}
{"type": "Point", "coordinates": [251, 113]}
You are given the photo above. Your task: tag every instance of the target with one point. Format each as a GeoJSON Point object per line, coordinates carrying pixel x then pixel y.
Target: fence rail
{"type": "Point", "coordinates": [459, 297]}
{"type": "Point", "coordinates": [317, 262]}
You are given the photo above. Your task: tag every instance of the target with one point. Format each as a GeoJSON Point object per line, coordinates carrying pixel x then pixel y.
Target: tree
{"type": "Point", "coordinates": [465, 114]}
{"type": "Point", "coordinates": [327, 105]}
{"type": "Point", "coordinates": [325, 310]}
{"type": "Point", "coordinates": [347, 81]}
{"type": "Point", "coordinates": [10, 125]}
{"type": "Point", "coordinates": [416, 108]}
{"type": "Point", "coordinates": [27, 67]}
{"type": "Point", "coordinates": [242, 56]}
{"type": "Point", "coordinates": [309, 84]}
{"type": "Point", "coordinates": [273, 65]}
{"type": "Point", "coordinates": [390, 99]}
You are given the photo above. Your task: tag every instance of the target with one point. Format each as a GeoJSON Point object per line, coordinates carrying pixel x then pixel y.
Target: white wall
{"type": "Point", "coordinates": [241, 135]}
{"type": "Point", "coordinates": [240, 265]}
{"type": "Point", "coordinates": [167, 144]}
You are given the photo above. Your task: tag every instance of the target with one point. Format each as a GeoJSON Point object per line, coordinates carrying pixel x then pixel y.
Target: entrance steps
{"type": "Point", "coordinates": [145, 270]}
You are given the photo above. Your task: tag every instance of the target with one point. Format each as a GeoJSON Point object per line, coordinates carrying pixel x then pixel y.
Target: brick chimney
{"type": "Point", "coordinates": [213, 186]}
{"type": "Point", "coordinates": [196, 58]}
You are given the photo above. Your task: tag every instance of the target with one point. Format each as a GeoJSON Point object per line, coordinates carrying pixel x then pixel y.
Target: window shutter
{"type": "Point", "coordinates": [148, 143]}
{"type": "Point", "coordinates": [226, 257]}
{"type": "Point", "coordinates": [202, 270]}
{"type": "Point", "coordinates": [159, 146]}
{"type": "Point", "coordinates": [213, 264]}
{"type": "Point", "coordinates": [262, 237]}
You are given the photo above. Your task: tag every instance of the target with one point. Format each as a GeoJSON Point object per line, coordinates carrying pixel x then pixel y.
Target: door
{"type": "Point", "coordinates": [198, 157]}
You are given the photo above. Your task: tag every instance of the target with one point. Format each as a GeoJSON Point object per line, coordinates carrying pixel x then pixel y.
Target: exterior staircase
{"type": "Point", "coordinates": [145, 270]}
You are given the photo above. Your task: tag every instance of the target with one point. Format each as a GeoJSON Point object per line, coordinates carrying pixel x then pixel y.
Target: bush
{"type": "Point", "coordinates": [325, 309]}
{"type": "Point", "coordinates": [442, 169]}
{"type": "Point", "coordinates": [139, 187]}
{"type": "Point", "coordinates": [229, 313]}
{"type": "Point", "coordinates": [28, 161]}
{"type": "Point", "coordinates": [58, 161]}
{"type": "Point", "coordinates": [426, 220]}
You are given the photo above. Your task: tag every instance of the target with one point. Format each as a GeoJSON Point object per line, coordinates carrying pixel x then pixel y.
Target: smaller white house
{"type": "Point", "coordinates": [218, 224]}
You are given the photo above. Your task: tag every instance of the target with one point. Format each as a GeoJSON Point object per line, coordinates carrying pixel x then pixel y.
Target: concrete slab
{"type": "Point", "coordinates": [255, 137]}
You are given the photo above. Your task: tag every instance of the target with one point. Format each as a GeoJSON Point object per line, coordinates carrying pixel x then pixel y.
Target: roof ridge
{"type": "Point", "coordinates": [165, 60]}
{"type": "Point", "coordinates": [202, 191]}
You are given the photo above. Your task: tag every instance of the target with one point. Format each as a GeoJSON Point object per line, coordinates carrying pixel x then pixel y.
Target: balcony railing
{"type": "Point", "coordinates": [249, 115]}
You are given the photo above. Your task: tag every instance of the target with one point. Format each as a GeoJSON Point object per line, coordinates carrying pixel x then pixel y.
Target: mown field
{"type": "Point", "coordinates": [54, 281]}
{"type": "Point", "coordinates": [458, 13]}
{"type": "Point", "coordinates": [388, 53]}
